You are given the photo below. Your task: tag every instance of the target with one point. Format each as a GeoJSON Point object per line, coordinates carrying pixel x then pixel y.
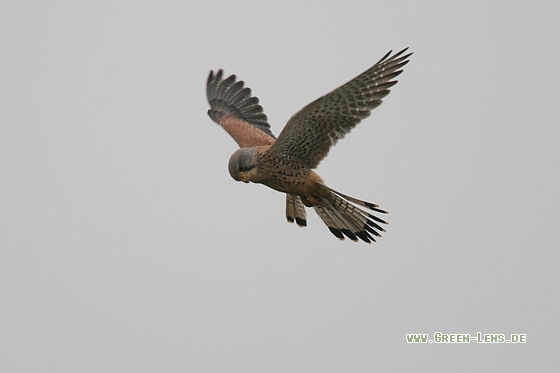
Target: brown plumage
{"type": "Point", "coordinates": [285, 164]}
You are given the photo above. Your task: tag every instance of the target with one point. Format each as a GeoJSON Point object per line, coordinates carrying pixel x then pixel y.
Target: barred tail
{"type": "Point", "coordinates": [295, 210]}
{"type": "Point", "coordinates": [345, 219]}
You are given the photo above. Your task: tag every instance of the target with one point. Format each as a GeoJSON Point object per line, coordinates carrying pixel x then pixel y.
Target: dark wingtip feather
{"type": "Point", "coordinates": [364, 236]}
{"type": "Point", "coordinates": [395, 56]}
{"type": "Point", "coordinates": [337, 233]}
{"type": "Point", "coordinates": [385, 56]}
{"type": "Point", "coordinates": [228, 97]}
{"type": "Point", "coordinates": [349, 234]}
{"type": "Point", "coordinates": [371, 230]}
{"type": "Point", "coordinates": [370, 205]}
{"type": "Point", "coordinates": [377, 219]}
{"type": "Point", "coordinates": [379, 211]}
{"type": "Point", "coordinates": [399, 53]}
{"type": "Point", "coordinates": [373, 225]}
{"type": "Point", "coordinates": [301, 222]}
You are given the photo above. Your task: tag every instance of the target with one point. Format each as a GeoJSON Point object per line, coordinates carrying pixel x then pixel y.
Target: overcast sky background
{"type": "Point", "coordinates": [126, 246]}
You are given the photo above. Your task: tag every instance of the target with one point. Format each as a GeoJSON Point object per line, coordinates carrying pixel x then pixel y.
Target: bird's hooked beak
{"type": "Point", "coordinates": [243, 176]}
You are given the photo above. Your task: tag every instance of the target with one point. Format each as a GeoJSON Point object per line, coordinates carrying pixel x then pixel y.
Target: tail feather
{"type": "Point", "coordinates": [295, 210]}
{"type": "Point", "coordinates": [343, 218]}
{"type": "Point", "coordinates": [335, 222]}
{"type": "Point", "coordinates": [359, 202]}
{"type": "Point", "coordinates": [342, 223]}
{"type": "Point", "coordinates": [350, 223]}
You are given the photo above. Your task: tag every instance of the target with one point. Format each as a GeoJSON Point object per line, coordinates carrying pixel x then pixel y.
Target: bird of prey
{"type": "Point", "coordinates": [286, 163]}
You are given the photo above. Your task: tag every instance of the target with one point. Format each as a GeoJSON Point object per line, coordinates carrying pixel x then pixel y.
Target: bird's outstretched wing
{"type": "Point", "coordinates": [239, 113]}
{"type": "Point", "coordinates": [311, 132]}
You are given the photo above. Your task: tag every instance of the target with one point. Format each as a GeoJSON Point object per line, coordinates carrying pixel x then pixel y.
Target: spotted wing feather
{"type": "Point", "coordinates": [239, 113]}
{"type": "Point", "coordinates": [311, 132]}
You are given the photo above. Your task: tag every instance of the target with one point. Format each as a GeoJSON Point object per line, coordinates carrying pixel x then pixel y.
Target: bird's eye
{"type": "Point", "coordinates": [241, 169]}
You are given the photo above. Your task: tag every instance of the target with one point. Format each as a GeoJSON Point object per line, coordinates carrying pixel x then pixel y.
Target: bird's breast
{"type": "Point", "coordinates": [289, 176]}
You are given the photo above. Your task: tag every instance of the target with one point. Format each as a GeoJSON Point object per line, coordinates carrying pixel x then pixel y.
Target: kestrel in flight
{"type": "Point", "coordinates": [286, 163]}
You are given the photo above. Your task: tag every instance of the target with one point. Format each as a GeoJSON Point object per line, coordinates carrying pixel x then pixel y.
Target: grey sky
{"type": "Point", "coordinates": [126, 246]}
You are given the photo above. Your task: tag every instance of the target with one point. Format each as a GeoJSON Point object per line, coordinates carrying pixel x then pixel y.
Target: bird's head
{"type": "Point", "coordinates": [242, 164]}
